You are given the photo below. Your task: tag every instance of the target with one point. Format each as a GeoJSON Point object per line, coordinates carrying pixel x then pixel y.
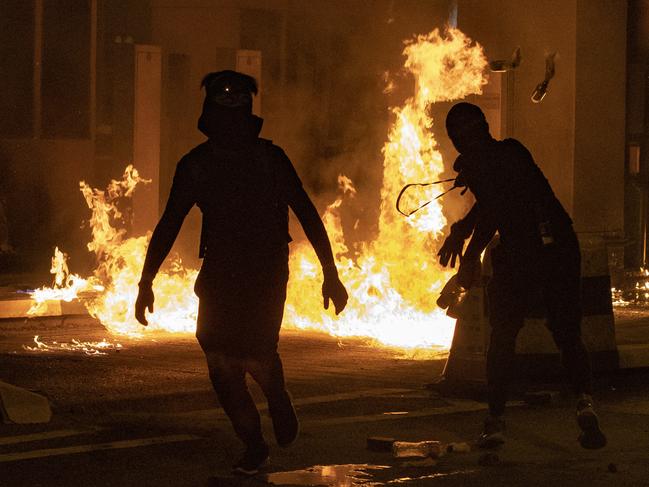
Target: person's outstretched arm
{"type": "Point", "coordinates": [315, 231]}
{"type": "Point", "coordinates": [452, 247]}
{"type": "Point", "coordinates": [178, 205]}
{"type": "Point", "coordinates": [483, 232]}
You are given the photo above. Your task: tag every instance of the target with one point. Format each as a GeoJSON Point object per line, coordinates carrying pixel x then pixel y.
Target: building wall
{"type": "Point", "coordinates": [321, 89]}
{"type": "Point", "coordinates": [322, 92]}
{"type": "Point", "coordinates": [576, 134]}
{"type": "Point", "coordinates": [636, 210]}
{"type": "Point", "coordinates": [600, 117]}
{"type": "Point", "coordinates": [43, 158]}
{"type": "Point", "coordinates": [547, 128]}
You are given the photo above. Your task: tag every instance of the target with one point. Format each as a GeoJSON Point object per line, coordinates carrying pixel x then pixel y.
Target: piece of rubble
{"type": "Point", "coordinates": [422, 449]}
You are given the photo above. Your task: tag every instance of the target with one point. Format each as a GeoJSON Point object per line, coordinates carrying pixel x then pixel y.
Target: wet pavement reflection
{"type": "Point", "coordinates": [351, 475]}
{"type": "Point", "coordinates": [327, 475]}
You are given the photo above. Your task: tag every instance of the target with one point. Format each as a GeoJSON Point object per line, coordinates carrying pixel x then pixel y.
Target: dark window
{"type": "Point", "coordinates": [17, 68]}
{"type": "Point", "coordinates": [65, 87]}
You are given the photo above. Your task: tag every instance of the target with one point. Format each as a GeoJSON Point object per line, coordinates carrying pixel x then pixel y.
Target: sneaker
{"type": "Point", "coordinates": [591, 436]}
{"type": "Point", "coordinates": [493, 433]}
{"type": "Point", "coordinates": [285, 423]}
{"type": "Point", "coordinates": [253, 458]}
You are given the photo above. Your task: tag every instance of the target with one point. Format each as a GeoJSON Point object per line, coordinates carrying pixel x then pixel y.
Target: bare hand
{"type": "Point", "coordinates": [143, 302]}
{"type": "Point", "coordinates": [451, 250]}
{"type": "Point", "coordinates": [333, 289]}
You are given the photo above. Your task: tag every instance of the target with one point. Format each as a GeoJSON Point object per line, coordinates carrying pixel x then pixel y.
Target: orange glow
{"type": "Point", "coordinates": [393, 284]}
{"type": "Point", "coordinates": [394, 281]}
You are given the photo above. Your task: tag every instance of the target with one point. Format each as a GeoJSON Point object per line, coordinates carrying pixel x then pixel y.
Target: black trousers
{"type": "Point", "coordinates": [228, 376]}
{"type": "Point", "coordinates": [519, 279]}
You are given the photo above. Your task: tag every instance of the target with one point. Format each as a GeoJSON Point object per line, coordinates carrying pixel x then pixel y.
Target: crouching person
{"type": "Point", "coordinates": [538, 254]}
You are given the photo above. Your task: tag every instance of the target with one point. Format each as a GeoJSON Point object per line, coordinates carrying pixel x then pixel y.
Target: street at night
{"type": "Point", "coordinates": [330, 243]}
{"type": "Point", "coordinates": [145, 414]}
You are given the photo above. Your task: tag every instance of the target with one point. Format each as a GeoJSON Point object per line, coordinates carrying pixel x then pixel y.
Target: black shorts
{"type": "Point", "coordinates": [241, 305]}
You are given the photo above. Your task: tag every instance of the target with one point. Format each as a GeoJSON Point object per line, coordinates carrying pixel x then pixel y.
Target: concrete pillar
{"type": "Point", "coordinates": [600, 88]}
{"type": "Point", "coordinates": [146, 135]}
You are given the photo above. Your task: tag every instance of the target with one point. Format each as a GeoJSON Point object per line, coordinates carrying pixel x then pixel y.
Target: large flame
{"type": "Point", "coordinates": [394, 280]}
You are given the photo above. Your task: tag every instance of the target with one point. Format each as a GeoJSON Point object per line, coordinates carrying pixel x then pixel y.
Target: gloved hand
{"type": "Point", "coordinates": [333, 289]}
{"type": "Point", "coordinates": [469, 272]}
{"type": "Point", "coordinates": [144, 301]}
{"type": "Point", "coordinates": [452, 247]}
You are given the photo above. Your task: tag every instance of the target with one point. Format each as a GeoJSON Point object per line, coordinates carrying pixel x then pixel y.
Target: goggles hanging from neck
{"type": "Point", "coordinates": [409, 213]}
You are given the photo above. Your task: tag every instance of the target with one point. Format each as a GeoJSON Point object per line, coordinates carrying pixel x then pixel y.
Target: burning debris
{"type": "Point", "coordinates": [66, 286]}
{"type": "Point", "coordinates": [634, 289]}
{"type": "Point", "coordinates": [88, 348]}
{"type": "Point", "coordinates": [393, 279]}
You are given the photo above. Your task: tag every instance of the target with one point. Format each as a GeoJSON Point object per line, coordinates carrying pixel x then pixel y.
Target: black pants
{"type": "Point", "coordinates": [554, 274]}
{"type": "Point", "coordinates": [228, 376]}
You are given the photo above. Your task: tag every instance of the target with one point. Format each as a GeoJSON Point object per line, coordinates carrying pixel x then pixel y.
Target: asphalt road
{"type": "Point", "coordinates": [144, 414]}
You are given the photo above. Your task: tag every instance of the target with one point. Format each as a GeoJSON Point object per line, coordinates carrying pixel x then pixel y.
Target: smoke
{"type": "Point", "coordinates": [345, 73]}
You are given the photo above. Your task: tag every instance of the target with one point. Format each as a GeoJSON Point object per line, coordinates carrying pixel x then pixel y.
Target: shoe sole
{"type": "Point", "coordinates": [591, 437]}
{"type": "Point", "coordinates": [249, 472]}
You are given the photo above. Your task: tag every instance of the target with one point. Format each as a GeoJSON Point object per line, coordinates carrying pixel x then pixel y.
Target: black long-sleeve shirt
{"type": "Point", "coordinates": [512, 197]}
{"type": "Point", "coordinates": [244, 194]}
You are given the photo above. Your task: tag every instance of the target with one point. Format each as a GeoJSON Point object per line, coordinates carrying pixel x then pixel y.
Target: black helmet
{"type": "Point", "coordinates": [229, 88]}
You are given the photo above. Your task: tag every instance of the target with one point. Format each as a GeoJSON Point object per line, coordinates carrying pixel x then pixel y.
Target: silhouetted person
{"type": "Point", "coordinates": [538, 255]}
{"type": "Point", "coordinates": [243, 185]}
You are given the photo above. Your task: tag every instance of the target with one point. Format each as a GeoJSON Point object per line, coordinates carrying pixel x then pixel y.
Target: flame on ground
{"type": "Point", "coordinates": [88, 348]}
{"type": "Point", "coordinates": [394, 280]}
{"type": "Point", "coordinates": [66, 286]}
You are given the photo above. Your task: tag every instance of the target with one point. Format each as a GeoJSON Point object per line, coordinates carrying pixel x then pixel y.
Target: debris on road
{"type": "Point", "coordinates": [422, 449]}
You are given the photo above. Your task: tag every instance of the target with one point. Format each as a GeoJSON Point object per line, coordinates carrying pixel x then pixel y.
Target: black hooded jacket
{"type": "Point", "coordinates": [512, 195]}
{"type": "Point", "coordinates": [243, 185]}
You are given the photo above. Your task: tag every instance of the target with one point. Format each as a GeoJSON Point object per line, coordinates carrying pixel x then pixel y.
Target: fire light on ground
{"type": "Point", "coordinates": [66, 286]}
{"type": "Point", "coordinates": [633, 290]}
{"type": "Point", "coordinates": [88, 348]}
{"type": "Point", "coordinates": [394, 281]}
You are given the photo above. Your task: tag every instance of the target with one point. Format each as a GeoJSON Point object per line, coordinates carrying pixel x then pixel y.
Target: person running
{"type": "Point", "coordinates": [243, 185]}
